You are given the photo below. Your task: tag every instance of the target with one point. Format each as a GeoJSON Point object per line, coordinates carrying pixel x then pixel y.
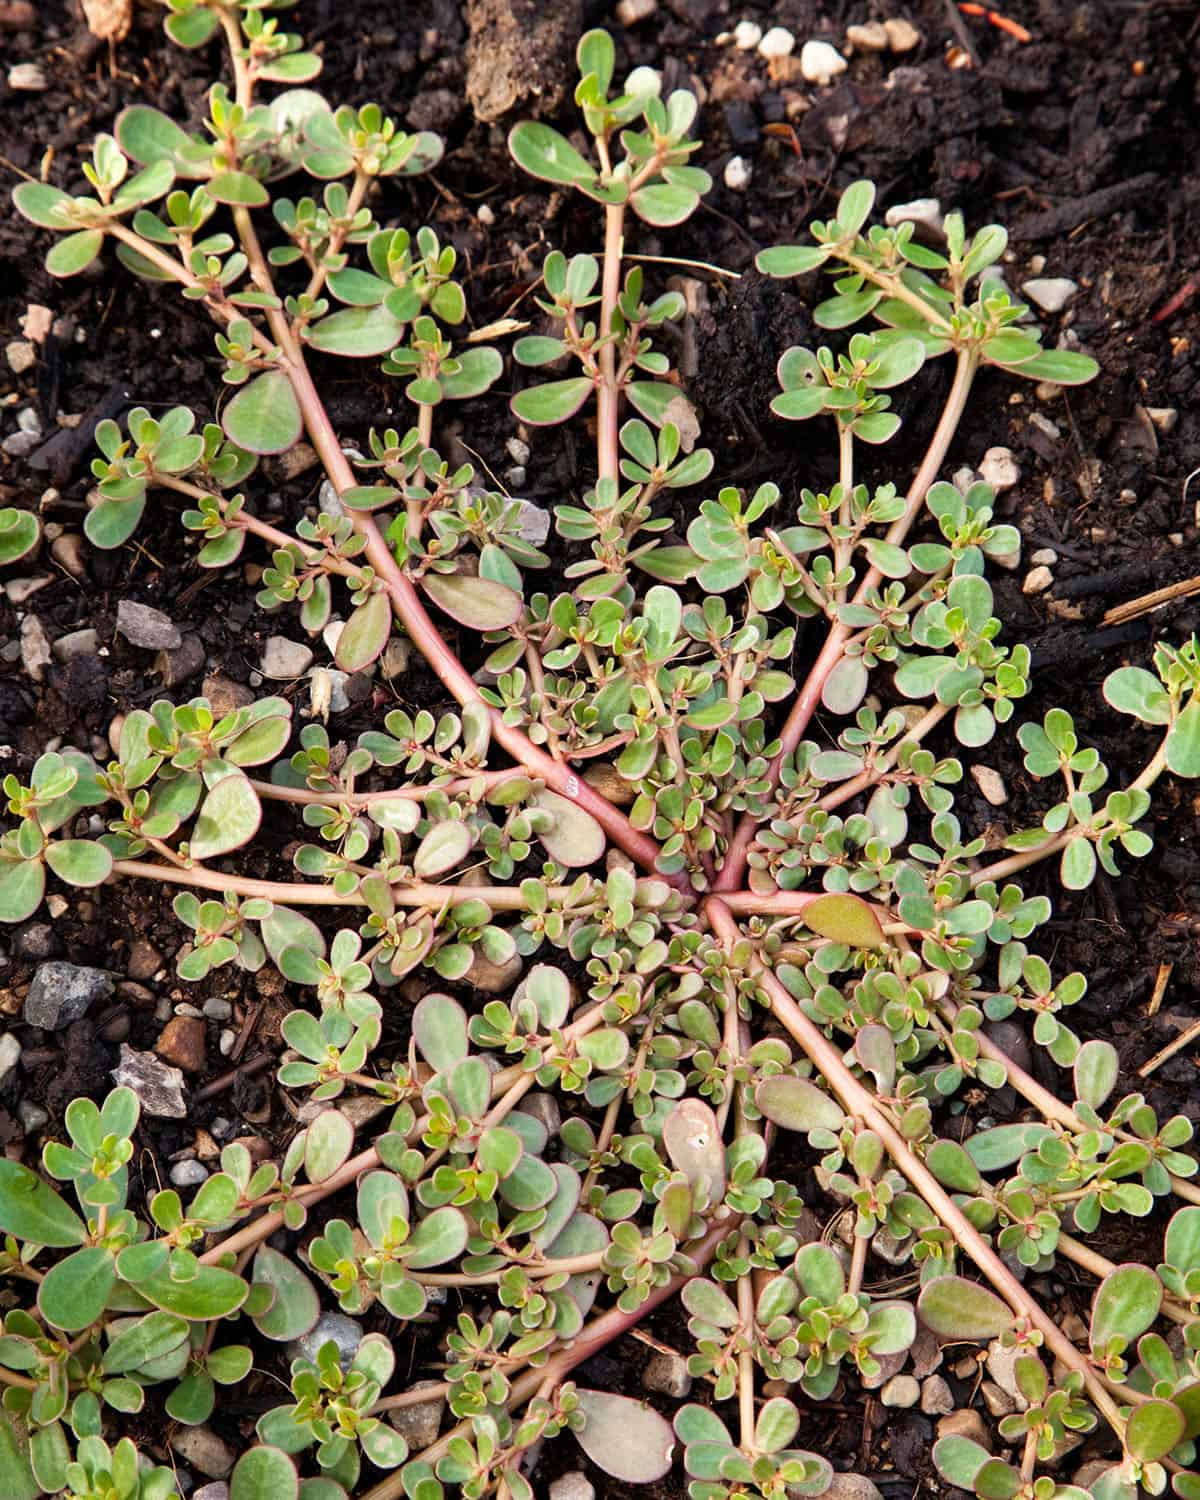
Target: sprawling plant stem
{"type": "Point", "coordinates": [830, 654]}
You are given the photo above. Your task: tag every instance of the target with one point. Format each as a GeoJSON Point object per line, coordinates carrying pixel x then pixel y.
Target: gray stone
{"type": "Point", "coordinates": [345, 1333]}
{"type": "Point", "coordinates": [1050, 293]}
{"type": "Point", "coordinates": [1002, 1367]}
{"type": "Point", "coordinates": [62, 992]}
{"type": "Point", "coordinates": [419, 1425]}
{"type": "Point", "coordinates": [967, 1423]}
{"type": "Point", "coordinates": [667, 1373]}
{"type": "Point", "coordinates": [901, 1390]}
{"type": "Point", "coordinates": [217, 1490]}
{"type": "Point", "coordinates": [159, 1087]}
{"type": "Point", "coordinates": [283, 659]}
{"type": "Point", "coordinates": [37, 941]}
{"type": "Point", "coordinates": [533, 523]}
{"type": "Point", "coordinates": [543, 1107]}
{"type": "Point", "coordinates": [217, 1009]}
{"type": "Point", "coordinates": [32, 1116]}
{"type": "Point", "coordinates": [19, 590]}
{"type": "Point", "coordinates": [991, 784]}
{"type": "Point", "coordinates": [204, 1450]}
{"type": "Point", "coordinates": [852, 1487]}
{"type": "Point", "coordinates": [146, 627]}
{"type": "Point", "coordinates": [76, 643]}
{"type": "Point", "coordinates": [572, 1486]}
{"type": "Point", "coordinates": [186, 1174]}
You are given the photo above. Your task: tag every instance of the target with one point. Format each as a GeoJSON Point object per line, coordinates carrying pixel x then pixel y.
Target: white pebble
{"type": "Point", "coordinates": [630, 12]}
{"type": "Point", "coordinates": [924, 212]}
{"type": "Point", "coordinates": [187, 1174]}
{"type": "Point", "coordinates": [1044, 557]}
{"type": "Point", "coordinates": [821, 63]}
{"type": "Point", "coordinates": [870, 37]}
{"type": "Point", "coordinates": [1000, 469]}
{"type": "Point", "coordinates": [902, 35]}
{"type": "Point", "coordinates": [225, 1042]}
{"type": "Point", "coordinates": [738, 173]}
{"type": "Point", "coordinates": [991, 784]}
{"type": "Point", "coordinates": [747, 35]}
{"type": "Point", "coordinates": [1051, 293]}
{"type": "Point", "coordinates": [1037, 580]}
{"type": "Point", "coordinates": [21, 356]}
{"type": "Point", "coordinates": [778, 42]}
{"type": "Point", "coordinates": [27, 77]}
{"type": "Point", "coordinates": [485, 215]}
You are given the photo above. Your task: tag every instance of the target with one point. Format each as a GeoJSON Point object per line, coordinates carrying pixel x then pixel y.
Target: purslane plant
{"type": "Point", "coordinates": [770, 931]}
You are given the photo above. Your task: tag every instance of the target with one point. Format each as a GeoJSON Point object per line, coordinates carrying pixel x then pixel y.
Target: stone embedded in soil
{"type": "Point", "coordinates": [997, 1401]}
{"type": "Point", "coordinates": [738, 174]}
{"type": "Point", "coordinates": [419, 1425]}
{"type": "Point", "coordinates": [1050, 293]}
{"type": "Point", "coordinates": [35, 648]}
{"type": "Point", "coordinates": [902, 35]}
{"type": "Point", "coordinates": [747, 35]}
{"type": "Point", "coordinates": [1002, 1367]}
{"type": "Point", "coordinates": [183, 1043]}
{"type": "Point", "coordinates": [144, 960]}
{"type": "Point", "coordinates": [180, 666]}
{"type": "Point", "coordinates": [224, 695]}
{"type": "Point", "coordinates": [76, 643]}
{"type": "Point", "coordinates": [32, 1116]}
{"type": "Point", "coordinates": [852, 1487]}
{"type": "Point", "coordinates": [159, 1087]}
{"type": "Point", "coordinates": [334, 1328]}
{"type": "Point", "coordinates": [667, 1373]}
{"type": "Point", "coordinates": [146, 627]}
{"type": "Point", "coordinates": [925, 213]}
{"type": "Point", "coordinates": [203, 1450]}
{"type": "Point", "coordinates": [871, 36]}
{"type": "Point", "coordinates": [1037, 580]}
{"type": "Point", "coordinates": [27, 78]}
{"type": "Point", "coordinates": [1000, 469]}
{"type": "Point", "coordinates": [217, 1490]}
{"type": "Point", "coordinates": [967, 1423]}
{"type": "Point", "coordinates": [490, 978]}
{"type": "Point", "coordinates": [10, 1056]}
{"type": "Point", "coordinates": [937, 1399]}
{"type": "Point", "coordinates": [902, 1391]}
{"type": "Point", "coordinates": [21, 355]}
{"type": "Point", "coordinates": [283, 659]}
{"type": "Point", "coordinates": [991, 785]}
{"type": "Point", "coordinates": [62, 993]}
{"type": "Point", "coordinates": [821, 63]}
{"type": "Point", "coordinates": [186, 1174]}
{"type": "Point", "coordinates": [778, 42]}
{"type": "Point", "coordinates": [572, 1486]}
{"type": "Point", "coordinates": [630, 12]}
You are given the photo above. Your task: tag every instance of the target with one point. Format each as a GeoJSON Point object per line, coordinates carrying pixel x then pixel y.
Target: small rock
{"type": "Point", "coordinates": [901, 1390]}
{"type": "Point", "coordinates": [667, 1374]}
{"type": "Point", "coordinates": [937, 1399]}
{"type": "Point", "coordinates": [21, 356]}
{"type": "Point", "coordinates": [1051, 293]}
{"type": "Point", "coordinates": [572, 1486]}
{"type": "Point", "coordinates": [218, 1490]}
{"type": "Point", "coordinates": [217, 1009]}
{"type": "Point", "coordinates": [36, 322]}
{"type": "Point", "coordinates": [1045, 426]}
{"type": "Point", "coordinates": [1044, 557]}
{"type": "Point", "coordinates": [870, 37]}
{"type": "Point", "coordinates": [1037, 580]}
{"type": "Point", "coordinates": [966, 1423]}
{"type": "Point", "coordinates": [925, 213]}
{"type": "Point", "coordinates": [738, 174]}
{"type": "Point", "coordinates": [394, 661]}
{"type": "Point", "coordinates": [533, 523]}
{"type": "Point", "coordinates": [36, 942]}
{"type": "Point", "coordinates": [224, 695]}
{"type": "Point", "coordinates": [10, 1056]}
{"type": "Point", "coordinates": [204, 1450]}
{"type": "Point", "coordinates": [18, 590]}
{"type": "Point", "coordinates": [1000, 469]}
{"type": "Point", "coordinates": [335, 1327]}
{"type": "Point", "coordinates": [183, 1042]}
{"type": "Point", "coordinates": [67, 551]}
{"type": "Point", "coordinates": [630, 12]}
{"type": "Point", "coordinates": [62, 992]}
{"type": "Point", "coordinates": [159, 1088]}
{"type": "Point", "coordinates": [902, 35]}
{"type": "Point", "coordinates": [490, 978]}
{"type": "Point", "coordinates": [27, 78]}
{"type": "Point", "coordinates": [889, 1365]}
{"type": "Point", "coordinates": [186, 1174]}
{"type": "Point", "coordinates": [1087, 1474]}
{"type": "Point", "coordinates": [925, 1354]}
{"type": "Point", "coordinates": [820, 62]}
{"type": "Point", "coordinates": [991, 784]}
{"type": "Point", "coordinates": [998, 1402]}
{"type": "Point", "coordinates": [419, 1425]}
{"type": "Point", "coordinates": [778, 42]}
{"type": "Point", "coordinates": [852, 1487]}
{"type": "Point", "coordinates": [146, 627]}
{"type": "Point", "coordinates": [897, 1252]}
{"type": "Point", "coordinates": [747, 35]}
{"type": "Point", "coordinates": [1002, 1367]}
{"type": "Point", "coordinates": [1075, 1328]}
{"type": "Point", "coordinates": [226, 1041]}
{"type": "Point", "coordinates": [283, 659]}
{"type": "Point", "coordinates": [144, 960]}
{"type": "Point", "coordinates": [76, 643]}
{"type": "Point", "coordinates": [35, 648]}
{"type": "Point", "coordinates": [32, 1116]}
{"type": "Point", "coordinates": [180, 666]}
{"type": "Point", "coordinates": [1165, 418]}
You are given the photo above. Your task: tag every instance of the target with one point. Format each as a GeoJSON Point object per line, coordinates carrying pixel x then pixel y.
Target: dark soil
{"type": "Point", "coordinates": [1084, 142]}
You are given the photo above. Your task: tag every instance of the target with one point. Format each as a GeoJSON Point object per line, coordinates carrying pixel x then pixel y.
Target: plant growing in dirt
{"type": "Point", "coordinates": [731, 924]}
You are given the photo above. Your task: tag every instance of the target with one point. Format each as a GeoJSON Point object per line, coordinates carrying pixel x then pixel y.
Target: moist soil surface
{"type": "Point", "coordinates": [1083, 141]}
